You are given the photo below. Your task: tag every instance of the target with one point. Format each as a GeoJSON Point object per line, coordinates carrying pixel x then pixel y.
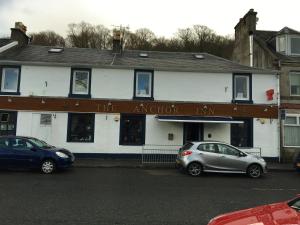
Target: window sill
{"type": "Point", "coordinates": [242, 101]}
{"type": "Point", "coordinates": [143, 98]}
{"type": "Point", "coordinates": [79, 96]}
{"type": "Point", "coordinates": [69, 141]}
{"type": "Point", "coordinates": [10, 93]}
{"type": "Point", "coordinates": [131, 144]}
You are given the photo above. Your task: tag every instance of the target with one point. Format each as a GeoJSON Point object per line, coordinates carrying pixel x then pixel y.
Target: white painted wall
{"type": "Point", "coordinates": [157, 132]}
{"type": "Point", "coordinates": [187, 86]}
{"type": "Point", "coordinates": [34, 79]}
{"type": "Point", "coordinates": [266, 136]}
{"type": "Point", "coordinates": [106, 137]}
{"type": "Point", "coordinates": [118, 84]}
{"type": "Point", "coordinates": [219, 132]}
{"type": "Point", "coordinates": [112, 83]}
{"type": "Point", "coordinates": [261, 83]}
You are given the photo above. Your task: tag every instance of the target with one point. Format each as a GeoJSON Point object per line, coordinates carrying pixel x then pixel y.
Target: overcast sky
{"type": "Point", "coordinates": [163, 17]}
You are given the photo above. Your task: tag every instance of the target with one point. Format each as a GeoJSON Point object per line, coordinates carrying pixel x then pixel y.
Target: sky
{"type": "Point", "coordinates": [163, 17]}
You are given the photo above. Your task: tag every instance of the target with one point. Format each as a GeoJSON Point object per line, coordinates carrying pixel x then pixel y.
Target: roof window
{"type": "Point", "coordinates": [199, 56]}
{"type": "Point", "coordinates": [143, 55]}
{"type": "Point", "coordinates": [55, 50]}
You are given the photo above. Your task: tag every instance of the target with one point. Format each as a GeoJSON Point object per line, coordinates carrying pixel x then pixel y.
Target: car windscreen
{"type": "Point", "coordinates": [295, 204]}
{"type": "Point", "coordinates": [39, 143]}
{"type": "Point", "coordinates": [187, 146]}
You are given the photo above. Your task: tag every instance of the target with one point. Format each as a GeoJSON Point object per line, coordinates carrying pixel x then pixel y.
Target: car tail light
{"type": "Point", "coordinates": [188, 152]}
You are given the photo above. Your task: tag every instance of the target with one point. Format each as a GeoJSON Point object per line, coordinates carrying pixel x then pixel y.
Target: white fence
{"type": "Point", "coordinates": [162, 154]}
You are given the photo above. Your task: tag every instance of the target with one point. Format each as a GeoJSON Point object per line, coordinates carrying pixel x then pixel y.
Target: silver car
{"type": "Point", "coordinates": [198, 157]}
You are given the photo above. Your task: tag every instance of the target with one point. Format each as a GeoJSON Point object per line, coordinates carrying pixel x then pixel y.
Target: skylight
{"type": "Point", "coordinates": [198, 56]}
{"type": "Point", "coordinates": [143, 55]}
{"type": "Point", "coordinates": [55, 50]}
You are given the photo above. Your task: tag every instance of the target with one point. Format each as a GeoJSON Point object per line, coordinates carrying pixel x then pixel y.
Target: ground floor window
{"type": "Point", "coordinates": [242, 133]}
{"type": "Point", "coordinates": [81, 127]}
{"type": "Point", "coordinates": [132, 129]}
{"type": "Point", "coordinates": [292, 130]}
{"type": "Point", "coordinates": [8, 123]}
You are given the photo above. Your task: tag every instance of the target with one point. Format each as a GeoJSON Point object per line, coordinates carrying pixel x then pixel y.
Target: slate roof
{"type": "Point", "coordinates": [4, 41]}
{"type": "Point", "coordinates": [130, 59]}
{"type": "Point", "coordinates": [267, 40]}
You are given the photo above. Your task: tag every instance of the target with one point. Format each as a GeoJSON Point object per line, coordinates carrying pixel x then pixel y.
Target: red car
{"type": "Point", "coordinates": [283, 213]}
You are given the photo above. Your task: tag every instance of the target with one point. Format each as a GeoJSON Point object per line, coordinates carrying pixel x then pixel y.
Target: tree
{"type": "Point", "coordinates": [142, 39]}
{"type": "Point", "coordinates": [85, 35]}
{"type": "Point", "coordinates": [47, 38]}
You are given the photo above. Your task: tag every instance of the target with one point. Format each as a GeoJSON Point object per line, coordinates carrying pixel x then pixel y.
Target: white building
{"type": "Point", "coordinates": [108, 102]}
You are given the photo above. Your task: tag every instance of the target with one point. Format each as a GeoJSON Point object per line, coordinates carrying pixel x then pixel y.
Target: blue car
{"type": "Point", "coordinates": [31, 153]}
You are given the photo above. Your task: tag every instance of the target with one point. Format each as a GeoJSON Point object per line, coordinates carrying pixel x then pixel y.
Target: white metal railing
{"type": "Point", "coordinates": [163, 154]}
{"type": "Point", "coordinates": [253, 151]}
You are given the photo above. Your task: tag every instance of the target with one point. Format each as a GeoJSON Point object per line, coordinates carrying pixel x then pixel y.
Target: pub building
{"type": "Point", "coordinates": [114, 102]}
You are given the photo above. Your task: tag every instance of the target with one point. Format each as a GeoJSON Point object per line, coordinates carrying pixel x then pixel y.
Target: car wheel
{"type": "Point", "coordinates": [194, 169]}
{"type": "Point", "coordinates": [48, 166]}
{"type": "Point", "coordinates": [254, 171]}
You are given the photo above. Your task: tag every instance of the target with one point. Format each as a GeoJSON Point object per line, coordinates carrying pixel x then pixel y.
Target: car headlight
{"type": "Point", "coordinates": [62, 155]}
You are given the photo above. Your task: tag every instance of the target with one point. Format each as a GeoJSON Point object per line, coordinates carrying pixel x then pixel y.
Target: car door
{"type": "Point", "coordinates": [230, 159]}
{"type": "Point", "coordinates": [23, 154]}
{"type": "Point", "coordinates": [6, 154]}
{"type": "Point", "coordinates": [208, 155]}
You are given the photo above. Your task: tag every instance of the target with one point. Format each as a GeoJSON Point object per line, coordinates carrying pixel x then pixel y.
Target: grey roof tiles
{"type": "Point", "coordinates": [167, 61]}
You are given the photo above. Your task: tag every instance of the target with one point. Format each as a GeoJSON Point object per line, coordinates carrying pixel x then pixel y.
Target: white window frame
{"type": "Point", "coordinates": [278, 45]}
{"type": "Point", "coordinates": [137, 83]}
{"type": "Point", "coordinates": [235, 89]}
{"type": "Point", "coordinates": [3, 77]}
{"type": "Point", "coordinates": [291, 125]}
{"type": "Point", "coordinates": [74, 82]}
{"type": "Point", "coordinates": [290, 81]}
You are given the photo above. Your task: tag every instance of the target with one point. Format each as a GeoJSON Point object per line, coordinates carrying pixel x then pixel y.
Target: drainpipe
{"type": "Point", "coordinates": [251, 49]}
{"type": "Point", "coordinates": [279, 123]}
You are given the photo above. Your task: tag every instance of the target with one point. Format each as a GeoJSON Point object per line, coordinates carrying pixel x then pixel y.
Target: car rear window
{"type": "Point", "coordinates": [187, 146]}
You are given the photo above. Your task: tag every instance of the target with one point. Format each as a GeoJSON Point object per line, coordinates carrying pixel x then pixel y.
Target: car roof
{"type": "Point", "coordinates": [209, 142]}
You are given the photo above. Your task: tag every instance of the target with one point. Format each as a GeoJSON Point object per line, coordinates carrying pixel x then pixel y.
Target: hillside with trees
{"type": "Point", "coordinates": [197, 38]}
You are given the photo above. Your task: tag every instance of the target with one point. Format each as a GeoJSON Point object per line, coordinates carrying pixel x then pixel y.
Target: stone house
{"type": "Point", "coordinates": [279, 50]}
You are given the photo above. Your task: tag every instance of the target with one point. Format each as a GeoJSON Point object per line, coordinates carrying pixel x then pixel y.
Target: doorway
{"type": "Point", "coordinates": [192, 132]}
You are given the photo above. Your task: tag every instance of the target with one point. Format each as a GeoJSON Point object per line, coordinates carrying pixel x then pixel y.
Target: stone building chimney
{"type": "Point", "coordinates": [243, 32]}
{"type": "Point", "coordinates": [247, 23]}
{"type": "Point", "coordinates": [18, 33]}
{"type": "Point", "coordinates": [117, 41]}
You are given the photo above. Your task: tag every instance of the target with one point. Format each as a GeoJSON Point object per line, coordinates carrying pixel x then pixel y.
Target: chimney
{"type": "Point", "coordinates": [247, 23]}
{"type": "Point", "coordinates": [117, 41]}
{"type": "Point", "coordinates": [18, 33]}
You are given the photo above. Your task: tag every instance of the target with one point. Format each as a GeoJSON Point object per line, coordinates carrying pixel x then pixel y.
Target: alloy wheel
{"type": "Point", "coordinates": [195, 169]}
{"type": "Point", "coordinates": [254, 171]}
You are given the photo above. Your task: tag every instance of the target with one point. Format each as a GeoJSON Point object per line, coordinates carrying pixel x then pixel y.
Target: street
{"type": "Point", "coordinates": [134, 196]}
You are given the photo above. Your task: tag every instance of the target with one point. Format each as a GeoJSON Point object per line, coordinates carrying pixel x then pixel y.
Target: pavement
{"type": "Point", "coordinates": [136, 163]}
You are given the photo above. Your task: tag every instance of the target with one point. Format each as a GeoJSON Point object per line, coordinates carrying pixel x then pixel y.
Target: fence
{"type": "Point", "coordinates": [159, 154]}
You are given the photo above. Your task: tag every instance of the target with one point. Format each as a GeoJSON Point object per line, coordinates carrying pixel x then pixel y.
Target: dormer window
{"type": "Point", "coordinates": [288, 44]}
{"type": "Point", "coordinates": [295, 45]}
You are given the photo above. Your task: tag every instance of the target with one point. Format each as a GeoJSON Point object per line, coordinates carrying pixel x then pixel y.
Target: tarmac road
{"type": "Point", "coordinates": [133, 196]}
